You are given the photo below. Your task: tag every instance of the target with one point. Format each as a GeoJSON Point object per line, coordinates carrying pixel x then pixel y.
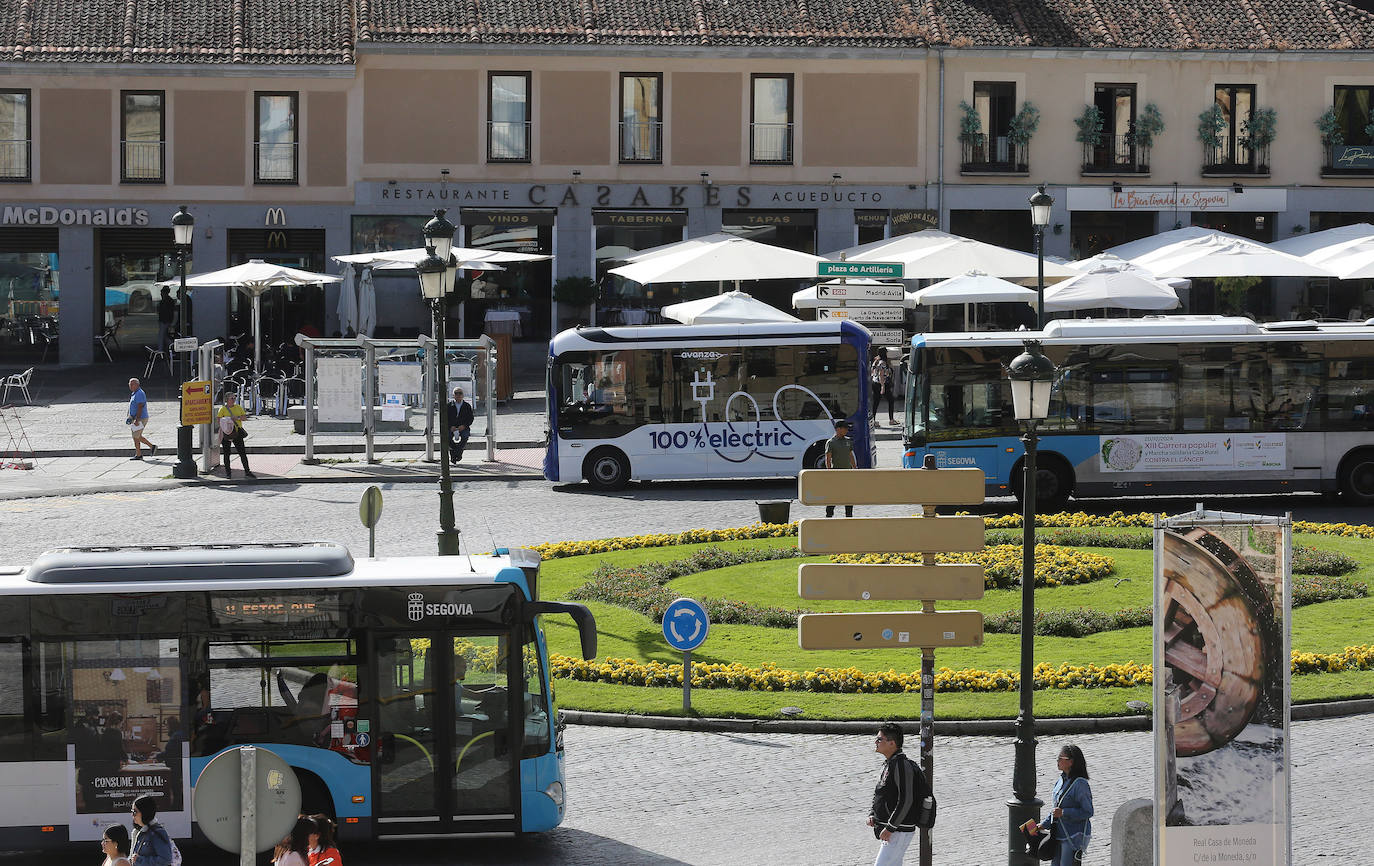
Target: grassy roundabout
{"type": "Point", "coordinates": [752, 670]}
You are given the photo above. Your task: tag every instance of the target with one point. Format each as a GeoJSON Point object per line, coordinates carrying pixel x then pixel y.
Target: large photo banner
{"type": "Point", "coordinates": [1221, 705]}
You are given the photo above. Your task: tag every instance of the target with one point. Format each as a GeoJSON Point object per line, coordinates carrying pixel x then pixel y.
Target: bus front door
{"type": "Point", "coordinates": [447, 764]}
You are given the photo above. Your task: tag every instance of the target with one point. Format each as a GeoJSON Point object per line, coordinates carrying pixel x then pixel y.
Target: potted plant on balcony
{"type": "Point", "coordinates": [1019, 133]}
{"type": "Point", "coordinates": [1256, 134]}
{"type": "Point", "coordinates": [1149, 124]}
{"type": "Point", "coordinates": [970, 134]}
{"type": "Point", "coordinates": [1211, 126]}
{"type": "Point", "coordinates": [578, 294]}
{"type": "Point", "coordinates": [1329, 127]}
{"type": "Point", "coordinates": [1089, 133]}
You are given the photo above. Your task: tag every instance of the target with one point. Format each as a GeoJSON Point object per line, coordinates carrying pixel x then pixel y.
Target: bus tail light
{"type": "Point", "coordinates": [555, 793]}
{"type": "Point", "coordinates": [47, 829]}
{"type": "Point", "coordinates": [359, 798]}
{"type": "Point", "coordinates": [351, 820]}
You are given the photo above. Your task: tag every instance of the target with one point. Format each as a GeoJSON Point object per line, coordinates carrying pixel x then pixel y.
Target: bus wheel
{"type": "Point", "coordinates": [814, 458]}
{"type": "Point", "coordinates": [1357, 477]}
{"type": "Point", "coordinates": [1053, 483]}
{"type": "Point", "coordinates": [606, 469]}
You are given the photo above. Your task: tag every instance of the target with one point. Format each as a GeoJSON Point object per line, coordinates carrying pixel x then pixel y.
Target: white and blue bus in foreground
{"type": "Point", "coordinates": [704, 401]}
{"type": "Point", "coordinates": [1156, 406]}
{"type": "Point", "coordinates": [411, 696]}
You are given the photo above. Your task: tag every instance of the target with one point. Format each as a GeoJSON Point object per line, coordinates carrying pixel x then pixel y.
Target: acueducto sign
{"type": "Point", "coordinates": [73, 216]}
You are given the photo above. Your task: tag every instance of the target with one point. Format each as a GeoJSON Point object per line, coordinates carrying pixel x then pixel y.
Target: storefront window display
{"type": "Point", "coordinates": [29, 288]}
{"type": "Point", "coordinates": [524, 288]}
{"type": "Point", "coordinates": [620, 234]}
{"type": "Point", "coordinates": [133, 261]}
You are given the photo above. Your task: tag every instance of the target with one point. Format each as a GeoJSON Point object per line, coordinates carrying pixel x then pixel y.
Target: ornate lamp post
{"type": "Point", "coordinates": [1041, 203]}
{"type": "Point", "coordinates": [1032, 375]}
{"type": "Point", "coordinates": [436, 279]}
{"type": "Point", "coordinates": [183, 231]}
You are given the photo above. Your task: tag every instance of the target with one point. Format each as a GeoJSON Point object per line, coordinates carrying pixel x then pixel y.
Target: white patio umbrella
{"type": "Point", "coordinates": [1088, 264]}
{"type": "Point", "coordinates": [809, 298]}
{"type": "Point", "coordinates": [1111, 284]}
{"type": "Point", "coordinates": [729, 308]}
{"type": "Point", "coordinates": [720, 258]}
{"type": "Point", "coordinates": [932, 254]}
{"type": "Point", "coordinates": [973, 287]}
{"type": "Point", "coordinates": [1320, 245]}
{"type": "Point", "coordinates": [347, 307]}
{"type": "Point", "coordinates": [1136, 249]}
{"type": "Point", "coordinates": [255, 277]}
{"type": "Point", "coordinates": [367, 304]}
{"type": "Point", "coordinates": [403, 259]}
{"type": "Point", "coordinates": [1220, 256]}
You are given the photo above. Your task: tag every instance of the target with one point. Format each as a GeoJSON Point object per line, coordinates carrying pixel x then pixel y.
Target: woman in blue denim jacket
{"type": "Point", "coordinates": [151, 846]}
{"type": "Point", "coordinates": [1073, 807]}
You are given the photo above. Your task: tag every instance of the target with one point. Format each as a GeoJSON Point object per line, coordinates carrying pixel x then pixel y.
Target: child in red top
{"type": "Point", "coordinates": [322, 851]}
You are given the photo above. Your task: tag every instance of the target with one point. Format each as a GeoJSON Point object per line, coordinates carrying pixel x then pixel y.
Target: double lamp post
{"type": "Point", "coordinates": [1032, 377]}
{"type": "Point", "coordinates": [438, 273]}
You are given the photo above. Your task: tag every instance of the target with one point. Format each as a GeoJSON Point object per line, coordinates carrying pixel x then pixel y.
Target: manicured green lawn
{"type": "Point", "coordinates": [1326, 627]}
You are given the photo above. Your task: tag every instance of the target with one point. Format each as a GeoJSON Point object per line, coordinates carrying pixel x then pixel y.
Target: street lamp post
{"type": "Point", "coordinates": [183, 230]}
{"type": "Point", "coordinates": [1032, 375]}
{"type": "Point", "coordinates": [435, 282]}
{"type": "Point", "coordinates": [1041, 203]}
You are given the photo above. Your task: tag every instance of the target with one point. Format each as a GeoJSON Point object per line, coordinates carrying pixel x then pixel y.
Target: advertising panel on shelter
{"type": "Point", "coordinates": [1221, 709]}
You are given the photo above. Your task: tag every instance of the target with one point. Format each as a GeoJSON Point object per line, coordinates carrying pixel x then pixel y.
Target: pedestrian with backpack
{"type": "Point", "coordinates": [899, 799]}
{"type": "Point", "coordinates": [151, 845]}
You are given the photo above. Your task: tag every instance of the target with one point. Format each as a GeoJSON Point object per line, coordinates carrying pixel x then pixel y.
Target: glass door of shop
{"type": "Point", "coordinates": [447, 763]}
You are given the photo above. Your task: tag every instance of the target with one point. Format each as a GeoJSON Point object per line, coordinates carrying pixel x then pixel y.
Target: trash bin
{"type": "Point", "coordinates": [774, 512]}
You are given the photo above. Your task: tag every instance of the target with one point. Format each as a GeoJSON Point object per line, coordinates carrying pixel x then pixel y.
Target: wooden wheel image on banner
{"type": "Point", "coordinates": [1215, 620]}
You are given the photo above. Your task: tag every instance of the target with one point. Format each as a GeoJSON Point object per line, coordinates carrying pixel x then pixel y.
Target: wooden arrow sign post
{"type": "Point", "coordinates": [925, 582]}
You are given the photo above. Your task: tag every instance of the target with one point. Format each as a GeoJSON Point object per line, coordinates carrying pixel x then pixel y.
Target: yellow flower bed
{"type": "Point", "coordinates": [769, 678]}
{"type": "Point", "coordinates": [1066, 519]}
{"type": "Point", "coordinates": [1054, 565]}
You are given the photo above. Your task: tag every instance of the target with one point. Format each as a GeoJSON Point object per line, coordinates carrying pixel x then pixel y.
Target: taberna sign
{"type": "Point", "coordinates": [19, 215]}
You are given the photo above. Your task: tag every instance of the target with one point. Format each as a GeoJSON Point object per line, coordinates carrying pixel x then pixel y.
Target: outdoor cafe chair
{"type": "Point", "coordinates": [19, 381]}
{"type": "Point", "coordinates": [155, 355]}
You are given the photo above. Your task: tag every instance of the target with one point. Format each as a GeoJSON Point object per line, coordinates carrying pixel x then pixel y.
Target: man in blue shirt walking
{"type": "Point", "coordinates": [138, 420]}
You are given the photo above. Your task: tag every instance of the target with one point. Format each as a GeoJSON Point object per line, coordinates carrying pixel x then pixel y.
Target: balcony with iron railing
{"type": "Point", "coordinates": [1348, 160]}
{"type": "Point", "coordinates": [770, 143]}
{"type": "Point", "coordinates": [1240, 159]}
{"type": "Point", "coordinates": [275, 161]}
{"type": "Point", "coordinates": [981, 153]}
{"type": "Point", "coordinates": [1116, 154]}
{"type": "Point", "coordinates": [14, 159]}
{"type": "Point", "coordinates": [641, 141]}
{"type": "Point", "coordinates": [142, 162]}
{"type": "Point", "coordinates": [508, 140]}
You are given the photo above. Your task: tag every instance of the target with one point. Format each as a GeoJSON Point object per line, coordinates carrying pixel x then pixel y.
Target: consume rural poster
{"type": "Point", "coordinates": [1221, 689]}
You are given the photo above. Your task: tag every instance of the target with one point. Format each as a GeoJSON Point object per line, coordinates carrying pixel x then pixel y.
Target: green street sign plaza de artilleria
{"type": "Point", "coordinates": [889, 270]}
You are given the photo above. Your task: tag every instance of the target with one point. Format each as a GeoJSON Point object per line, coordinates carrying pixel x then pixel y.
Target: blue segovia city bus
{"type": "Point", "coordinates": [1155, 406]}
{"type": "Point", "coordinates": [410, 695]}
{"type": "Point", "coordinates": [703, 401]}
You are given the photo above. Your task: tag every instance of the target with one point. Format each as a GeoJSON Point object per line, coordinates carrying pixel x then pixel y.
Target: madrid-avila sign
{"type": "Point", "coordinates": [70, 216]}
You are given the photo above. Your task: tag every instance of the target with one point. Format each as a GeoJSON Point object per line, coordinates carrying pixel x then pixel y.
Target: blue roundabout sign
{"type": "Point", "coordinates": [685, 624]}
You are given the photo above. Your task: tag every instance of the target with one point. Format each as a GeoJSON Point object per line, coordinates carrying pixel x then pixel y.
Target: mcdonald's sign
{"type": "Point", "coordinates": [276, 240]}
{"type": "Point", "coordinates": [275, 216]}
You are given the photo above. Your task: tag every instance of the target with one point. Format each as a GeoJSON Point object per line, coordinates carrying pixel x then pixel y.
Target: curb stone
{"type": "Point", "coordinates": [951, 728]}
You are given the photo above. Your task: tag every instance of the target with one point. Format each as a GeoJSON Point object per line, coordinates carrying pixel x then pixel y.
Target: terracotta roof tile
{"type": "Point", "coordinates": [274, 32]}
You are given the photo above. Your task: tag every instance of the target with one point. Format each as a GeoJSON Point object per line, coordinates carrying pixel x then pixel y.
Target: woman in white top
{"type": "Point", "coordinates": [294, 850]}
{"type": "Point", "coordinates": [115, 845]}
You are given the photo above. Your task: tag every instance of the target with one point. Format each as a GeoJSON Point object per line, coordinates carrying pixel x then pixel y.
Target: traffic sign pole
{"type": "Point", "coordinates": [686, 682]}
{"type": "Point", "coordinates": [685, 626]}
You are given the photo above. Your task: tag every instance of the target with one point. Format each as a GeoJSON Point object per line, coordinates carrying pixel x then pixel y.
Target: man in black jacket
{"type": "Point", "coordinates": [459, 425]}
{"type": "Point", "coordinates": [896, 799]}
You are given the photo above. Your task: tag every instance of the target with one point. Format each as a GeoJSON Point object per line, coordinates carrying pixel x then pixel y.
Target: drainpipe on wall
{"type": "Point", "coordinates": [940, 157]}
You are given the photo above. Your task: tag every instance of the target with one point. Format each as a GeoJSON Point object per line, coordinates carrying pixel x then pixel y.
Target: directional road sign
{"type": "Point", "coordinates": [895, 313]}
{"type": "Point", "coordinates": [889, 629]}
{"type": "Point", "coordinates": [890, 534]}
{"type": "Point", "coordinates": [887, 336]}
{"type": "Point", "coordinates": [685, 624]}
{"type": "Point", "coordinates": [891, 487]}
{"type": "Point", "coordinates": [841, 581]}
{"type": "Point", "coordinates": [860, 292]}
{"type": "Point", "coordinates": [882, 270]}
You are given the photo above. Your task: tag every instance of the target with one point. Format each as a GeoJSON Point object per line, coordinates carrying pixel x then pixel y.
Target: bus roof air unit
{"type": "Point", "coordinates": [189, 562]}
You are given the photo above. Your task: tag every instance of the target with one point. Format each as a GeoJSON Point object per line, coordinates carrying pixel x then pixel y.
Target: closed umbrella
{"type": "Point", "coordinates": [367, 304]}
{"type": "Point", "coordinates": [729, 308]}
{"type": "Point", "coordinates": [256, 277]}
{"type": "Point", "coordinates": [1111, 284]}
{"type": "Point", "coordinates": [347, 308]}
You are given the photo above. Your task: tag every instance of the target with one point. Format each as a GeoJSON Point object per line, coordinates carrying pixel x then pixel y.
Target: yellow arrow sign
{"type": "Point", "coordinates": [852, 582]}
{"type": "Point", "coordinates": [890, 534]}
{"type": "Point", "coordinates": [889, 630]}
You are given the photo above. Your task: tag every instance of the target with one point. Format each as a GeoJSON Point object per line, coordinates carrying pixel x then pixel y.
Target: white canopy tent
{"type": "Point", "coordinates": [1115, 284]}
{"type": "Point", "coordinates": [719, 258]}
{"type": "Point", "coordinates": [1321, 245]}
{"type": "Point", "coordinates": [1086, 265]}
{"type": "Point", "coordinates": [256, 277]}
{"type": "Point", "coordinates": [974, 287]}
{"type": "Point", "coordinates": [729, 308]}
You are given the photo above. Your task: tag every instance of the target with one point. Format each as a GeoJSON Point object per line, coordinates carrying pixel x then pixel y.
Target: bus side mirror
{"type": "Point", "coordinates": [581, 614]}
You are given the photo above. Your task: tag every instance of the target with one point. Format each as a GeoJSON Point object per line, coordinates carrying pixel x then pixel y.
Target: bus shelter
{"type": "Point", "coordinates": [361, 384]}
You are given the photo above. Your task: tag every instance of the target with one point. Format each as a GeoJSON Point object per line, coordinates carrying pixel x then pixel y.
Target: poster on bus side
{"type": "Point", "coordinates": [1221, 708]}
{"type": "Point", "coordinates": [127, 736]}
{"type": "Point", "coordinates": [1182, 452]}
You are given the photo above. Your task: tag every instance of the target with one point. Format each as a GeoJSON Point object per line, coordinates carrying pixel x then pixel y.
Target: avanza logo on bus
{"type": "Point", "coordinates": [417, 610]}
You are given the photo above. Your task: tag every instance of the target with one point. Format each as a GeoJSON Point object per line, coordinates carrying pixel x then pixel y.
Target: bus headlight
{"type": "Point", "coordinates": [555, 793]}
